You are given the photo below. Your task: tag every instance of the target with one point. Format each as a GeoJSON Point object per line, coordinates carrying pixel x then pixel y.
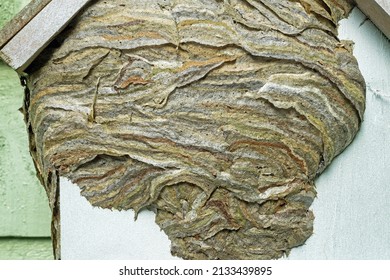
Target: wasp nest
{"type": "Point", "coordinates": [218, 115]}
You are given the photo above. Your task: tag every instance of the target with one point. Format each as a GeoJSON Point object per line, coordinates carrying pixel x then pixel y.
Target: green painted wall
{"type": "Point", "coordinates": [8, 8]}
{"type": "Point", "coordinates": [25, 249]}
{"type": "Point", "coordinates": [24, 209]}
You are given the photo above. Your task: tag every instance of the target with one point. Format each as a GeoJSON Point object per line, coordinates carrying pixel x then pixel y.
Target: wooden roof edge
{"type": "Point", "coordinates": [21, 19]}
{"type": "Point", "coordinates": [42, 21]}
{"type": "Point", "coordinates": [378, 11]}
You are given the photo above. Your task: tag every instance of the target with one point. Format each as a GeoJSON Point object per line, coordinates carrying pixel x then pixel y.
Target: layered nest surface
{"type": "Point", "coordinates": [217, 115]}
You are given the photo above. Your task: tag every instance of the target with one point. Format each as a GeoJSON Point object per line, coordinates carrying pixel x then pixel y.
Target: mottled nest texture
{"type": "Point", "coordinates": [216, 115]}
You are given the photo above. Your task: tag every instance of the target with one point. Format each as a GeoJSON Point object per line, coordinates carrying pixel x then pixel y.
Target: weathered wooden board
{"type": "Point", "coordinates": [379, 12]}
{"type": "Point", "coordinates": [21, 19]}
{"type": "Point", "coordinates": [24, 47]}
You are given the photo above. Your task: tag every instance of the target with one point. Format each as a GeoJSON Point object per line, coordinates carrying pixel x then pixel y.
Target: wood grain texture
{"type": "Point", "coordinates": [218, 116]}
{"type": "Point", "coordinates": [379, 12]}
{"type": "Point", "coordinates": [20, 20]}
{"type": "Point", "coordinates": [26, 45]}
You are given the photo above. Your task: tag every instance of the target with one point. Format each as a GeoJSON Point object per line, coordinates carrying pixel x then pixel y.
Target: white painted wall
{"type": "Point", "coordinates": [353, 205]}
{"type": "Point", "coordinates": [93, 233]}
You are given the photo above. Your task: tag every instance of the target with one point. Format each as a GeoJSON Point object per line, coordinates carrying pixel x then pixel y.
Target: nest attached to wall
{"type": "Point", "coordinates": [217, 115]}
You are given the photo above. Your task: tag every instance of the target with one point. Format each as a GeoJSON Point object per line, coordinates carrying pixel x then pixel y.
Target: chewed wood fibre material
{"type": "Point", "coordinates": [217, 115]}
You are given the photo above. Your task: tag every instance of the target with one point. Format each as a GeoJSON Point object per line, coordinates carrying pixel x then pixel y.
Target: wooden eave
{"type": "Point", "coordinates": [19, 21]}
{"type": "Point", "coordinates": [378, 11]}
{"type": "Point", "coordinates": [26, 35]}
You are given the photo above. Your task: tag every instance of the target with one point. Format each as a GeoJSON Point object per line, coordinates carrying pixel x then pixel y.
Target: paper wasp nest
{"type": "Point", "coordinates": [217, 115]}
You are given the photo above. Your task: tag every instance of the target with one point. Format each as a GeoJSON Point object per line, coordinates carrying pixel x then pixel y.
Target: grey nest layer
{"type": "Point", "coordinates": [217, 115]}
